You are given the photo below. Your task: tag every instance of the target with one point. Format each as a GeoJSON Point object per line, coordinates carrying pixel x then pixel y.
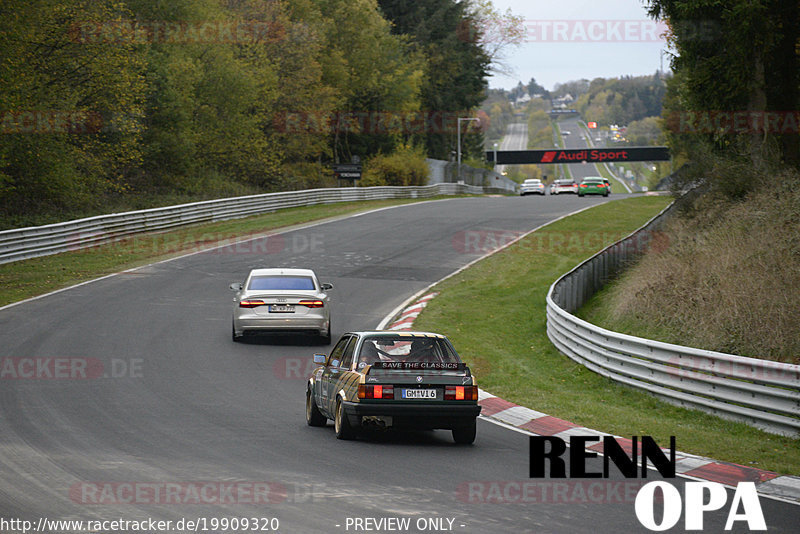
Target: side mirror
{"type": "Point", "coordinates": [320, 359]}
{"type": "Point", "coordinates": [326, 287]}
{"type": "Point", "coordinates": [236, 286]}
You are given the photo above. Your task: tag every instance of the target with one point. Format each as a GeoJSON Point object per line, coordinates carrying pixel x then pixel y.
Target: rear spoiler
{"type": "Point", "coordinates": [419, 366]}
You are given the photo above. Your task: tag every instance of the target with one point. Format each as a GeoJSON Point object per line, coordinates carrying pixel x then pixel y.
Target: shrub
{"type": "Point", "coordinates": [404, 166]}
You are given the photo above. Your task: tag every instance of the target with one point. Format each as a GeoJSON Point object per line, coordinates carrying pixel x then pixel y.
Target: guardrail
{"type": "Point", "coordinates": [762, 393]}
{"type": "Point", "coordinates": [32, 242]}
{"type": "Point", "coordinates": [445, 172]}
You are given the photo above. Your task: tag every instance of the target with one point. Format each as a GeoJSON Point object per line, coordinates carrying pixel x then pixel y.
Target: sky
{"type": "Point", "coordinates": [573, 39]}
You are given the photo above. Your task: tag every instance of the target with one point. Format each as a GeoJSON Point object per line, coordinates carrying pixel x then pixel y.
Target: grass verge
{"type": "Point", "coordinates": [566, 172]}
{"type": "Point", "coordinates": [616, 184]}
{"type": "Point", "coordinates": [495, 315]}
{"type": "Point", "coordinates": [28, 278]}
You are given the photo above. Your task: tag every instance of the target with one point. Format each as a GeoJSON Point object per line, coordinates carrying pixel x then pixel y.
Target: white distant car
{"type": "Point", "coordinates": [281, 300]}
{"type": "Point", "coordinates": [563, 186]}
{"type": "Point", "coordinates": [566, 132]}
{"type": "Point", "coordinates": [531, 186]}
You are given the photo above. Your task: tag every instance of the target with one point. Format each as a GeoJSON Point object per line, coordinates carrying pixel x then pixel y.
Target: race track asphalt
{"type": "Point", "coordinates": [187, 424]}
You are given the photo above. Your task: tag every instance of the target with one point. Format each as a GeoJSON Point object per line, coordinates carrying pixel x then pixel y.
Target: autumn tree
{"type": "Point", "coordinates": [71, 106]}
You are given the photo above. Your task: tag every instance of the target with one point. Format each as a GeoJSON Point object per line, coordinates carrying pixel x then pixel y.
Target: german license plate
{"type": "Point", "coordinates": [419, 393]}
{"type": "Point", "coordinates": [281, 308]}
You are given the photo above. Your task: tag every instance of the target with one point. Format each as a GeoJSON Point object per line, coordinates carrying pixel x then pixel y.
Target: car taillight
{"type": "Point", "coordinates": [461, 393]}
{"type": "Point", "coordinates": [584, 185]}
{"type": "Point", "coordinates": [251, 303]}
{"type": "Point", "coordinates": [375, 392]}
{"type": "Point", "coordinates": [311, 303]}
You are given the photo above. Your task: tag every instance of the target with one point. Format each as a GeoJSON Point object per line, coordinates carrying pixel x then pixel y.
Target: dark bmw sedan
{"type": "Point", "coordinates": [389, 379]}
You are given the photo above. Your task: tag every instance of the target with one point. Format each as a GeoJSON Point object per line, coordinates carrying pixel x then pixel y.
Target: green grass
{"type": "Point", "coordinates": [36, 276]}
{"type": "Point", "coordinates": [565, 169]}
{"type": "Point", "coordinates": [558, 136]}
{"type": "Point", "coordinates": [494, 312]}
{"type": "Point", "coordinates": [616, 185]}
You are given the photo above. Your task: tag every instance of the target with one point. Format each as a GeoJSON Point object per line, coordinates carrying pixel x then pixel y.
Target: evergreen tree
{"type": "Point", "coordinates": [448, 35]}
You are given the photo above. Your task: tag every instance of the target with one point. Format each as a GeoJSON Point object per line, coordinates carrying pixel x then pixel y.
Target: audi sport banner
{"type": "Point", "coordinates": [579, 155]}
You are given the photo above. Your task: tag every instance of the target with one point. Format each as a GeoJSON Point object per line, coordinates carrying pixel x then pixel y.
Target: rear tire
{"type": "Point", "coordinates": [465, 435]}
{"type": "Point", "coordinates": [234, 336]}
{"type": "Point", "coordinates": [341, 424]}
{"type": "Point", "coordinates": [313, 416]}
{"type": "Point", "coordinates": [326, 337]}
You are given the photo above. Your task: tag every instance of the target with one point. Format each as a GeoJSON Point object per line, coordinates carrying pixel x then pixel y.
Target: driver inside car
{"type": "Point", "coordinates": [369, 354]}
{"type": "Point", "coordinates": [422, 350]}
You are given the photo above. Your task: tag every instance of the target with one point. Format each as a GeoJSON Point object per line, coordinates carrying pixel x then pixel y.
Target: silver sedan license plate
{"type": "Point", "coordinates": [281, 308]}
{"type": "Point", "coordinates": [419, 393]}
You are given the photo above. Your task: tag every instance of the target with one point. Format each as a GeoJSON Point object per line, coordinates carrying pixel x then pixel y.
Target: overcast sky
{"type": "Point", "coordinates": [572, 39]}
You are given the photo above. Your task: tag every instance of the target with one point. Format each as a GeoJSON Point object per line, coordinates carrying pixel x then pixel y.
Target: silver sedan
{"type": "Point", "coordinates": [281, 300]}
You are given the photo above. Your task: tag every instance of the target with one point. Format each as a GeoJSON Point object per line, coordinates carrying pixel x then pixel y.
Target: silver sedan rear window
{"type": "Point", "coordinates": [260, 283]}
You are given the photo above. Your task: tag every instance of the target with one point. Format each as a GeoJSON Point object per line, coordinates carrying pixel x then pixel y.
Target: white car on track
{"type": "Point", "coordinates": [531, 186]}
{"type": "Point", "coordinates": [281, 300]}
{"type": "Point", "coordinates": [563, 186]}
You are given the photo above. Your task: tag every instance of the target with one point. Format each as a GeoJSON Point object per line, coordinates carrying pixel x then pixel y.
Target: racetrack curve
{"type": "Point", "coordinates": [185, 407]}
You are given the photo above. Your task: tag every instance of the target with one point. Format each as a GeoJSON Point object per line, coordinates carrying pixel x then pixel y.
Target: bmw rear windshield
{"type": "Point", "coordinates": [280, 283]}
{"type": "Point", "coordinates": [401, 348]}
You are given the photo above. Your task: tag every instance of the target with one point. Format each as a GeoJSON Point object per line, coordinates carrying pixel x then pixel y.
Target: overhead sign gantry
{"type": "Point", "coordinates": [579, 155]}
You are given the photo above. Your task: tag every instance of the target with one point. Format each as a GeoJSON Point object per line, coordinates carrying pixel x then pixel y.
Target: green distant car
{"type": "Point", "coordinates": [594, 185]}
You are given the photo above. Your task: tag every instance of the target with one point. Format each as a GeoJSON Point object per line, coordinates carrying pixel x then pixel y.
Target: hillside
{"type": "Point", "coordinates": [725, 277]}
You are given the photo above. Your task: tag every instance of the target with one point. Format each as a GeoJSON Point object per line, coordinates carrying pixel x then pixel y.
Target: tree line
{"type": "Point", "coordinates": [119, 102]}
{"type": "Point", "coordinates": [732, 104]}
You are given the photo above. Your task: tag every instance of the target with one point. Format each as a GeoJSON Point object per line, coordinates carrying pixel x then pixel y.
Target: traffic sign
{"type": "Point", "coordinates": [347, 171]}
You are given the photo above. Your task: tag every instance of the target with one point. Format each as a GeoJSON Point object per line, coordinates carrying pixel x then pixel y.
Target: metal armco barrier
{"type": "Point", "coordinates": [762, 393]}
{"type": "Point", "coordinates": [32, 242]}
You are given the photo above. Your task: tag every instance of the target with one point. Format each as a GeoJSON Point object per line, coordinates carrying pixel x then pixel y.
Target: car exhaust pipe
{"type": "Point", "coordinates": [376, 422]}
